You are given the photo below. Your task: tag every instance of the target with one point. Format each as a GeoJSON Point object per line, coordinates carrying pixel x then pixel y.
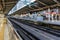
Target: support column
{"type": "Point", "coordinates": [49, 14]}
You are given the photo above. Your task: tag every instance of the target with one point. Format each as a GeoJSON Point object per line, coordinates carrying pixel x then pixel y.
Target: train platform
{"type": "Point", "coordinates": [7, 32]}
{"type": "Point", "coordinates": [54, 22]}
{"type": "Point", "coordinates": [2, 28]}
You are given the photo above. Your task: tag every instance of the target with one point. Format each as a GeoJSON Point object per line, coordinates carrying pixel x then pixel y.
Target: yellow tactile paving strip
{"type": "Point", "coordinates": [2, 27]}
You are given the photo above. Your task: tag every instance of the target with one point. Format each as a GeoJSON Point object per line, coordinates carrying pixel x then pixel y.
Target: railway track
{"type": "Point", "coordinates": [24, 35]}
{"type": "Point", "coordinates": [32, 32]}
{"type": "Point", "coordinates": [43, 28]}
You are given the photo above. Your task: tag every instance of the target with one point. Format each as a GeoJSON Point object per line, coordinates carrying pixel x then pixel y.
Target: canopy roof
{"type": "Point", "coordinates": [40, 5]}
{"type": "Point", "coordinates": [6, 5]}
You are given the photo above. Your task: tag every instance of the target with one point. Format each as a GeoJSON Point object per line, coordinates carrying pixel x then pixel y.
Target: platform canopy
{"type": "Point", "coordinates": [39, 5]}
{"type": "Point", "coordinates": [21, 4]}
{"type": "Point", "coordinates": [6, 5]}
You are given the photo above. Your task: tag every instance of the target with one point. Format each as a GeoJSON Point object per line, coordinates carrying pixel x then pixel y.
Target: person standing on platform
{"type": "Point", "coordinates": [53, 17]}
{"type": "Point", "coordinates": [48, 15]}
